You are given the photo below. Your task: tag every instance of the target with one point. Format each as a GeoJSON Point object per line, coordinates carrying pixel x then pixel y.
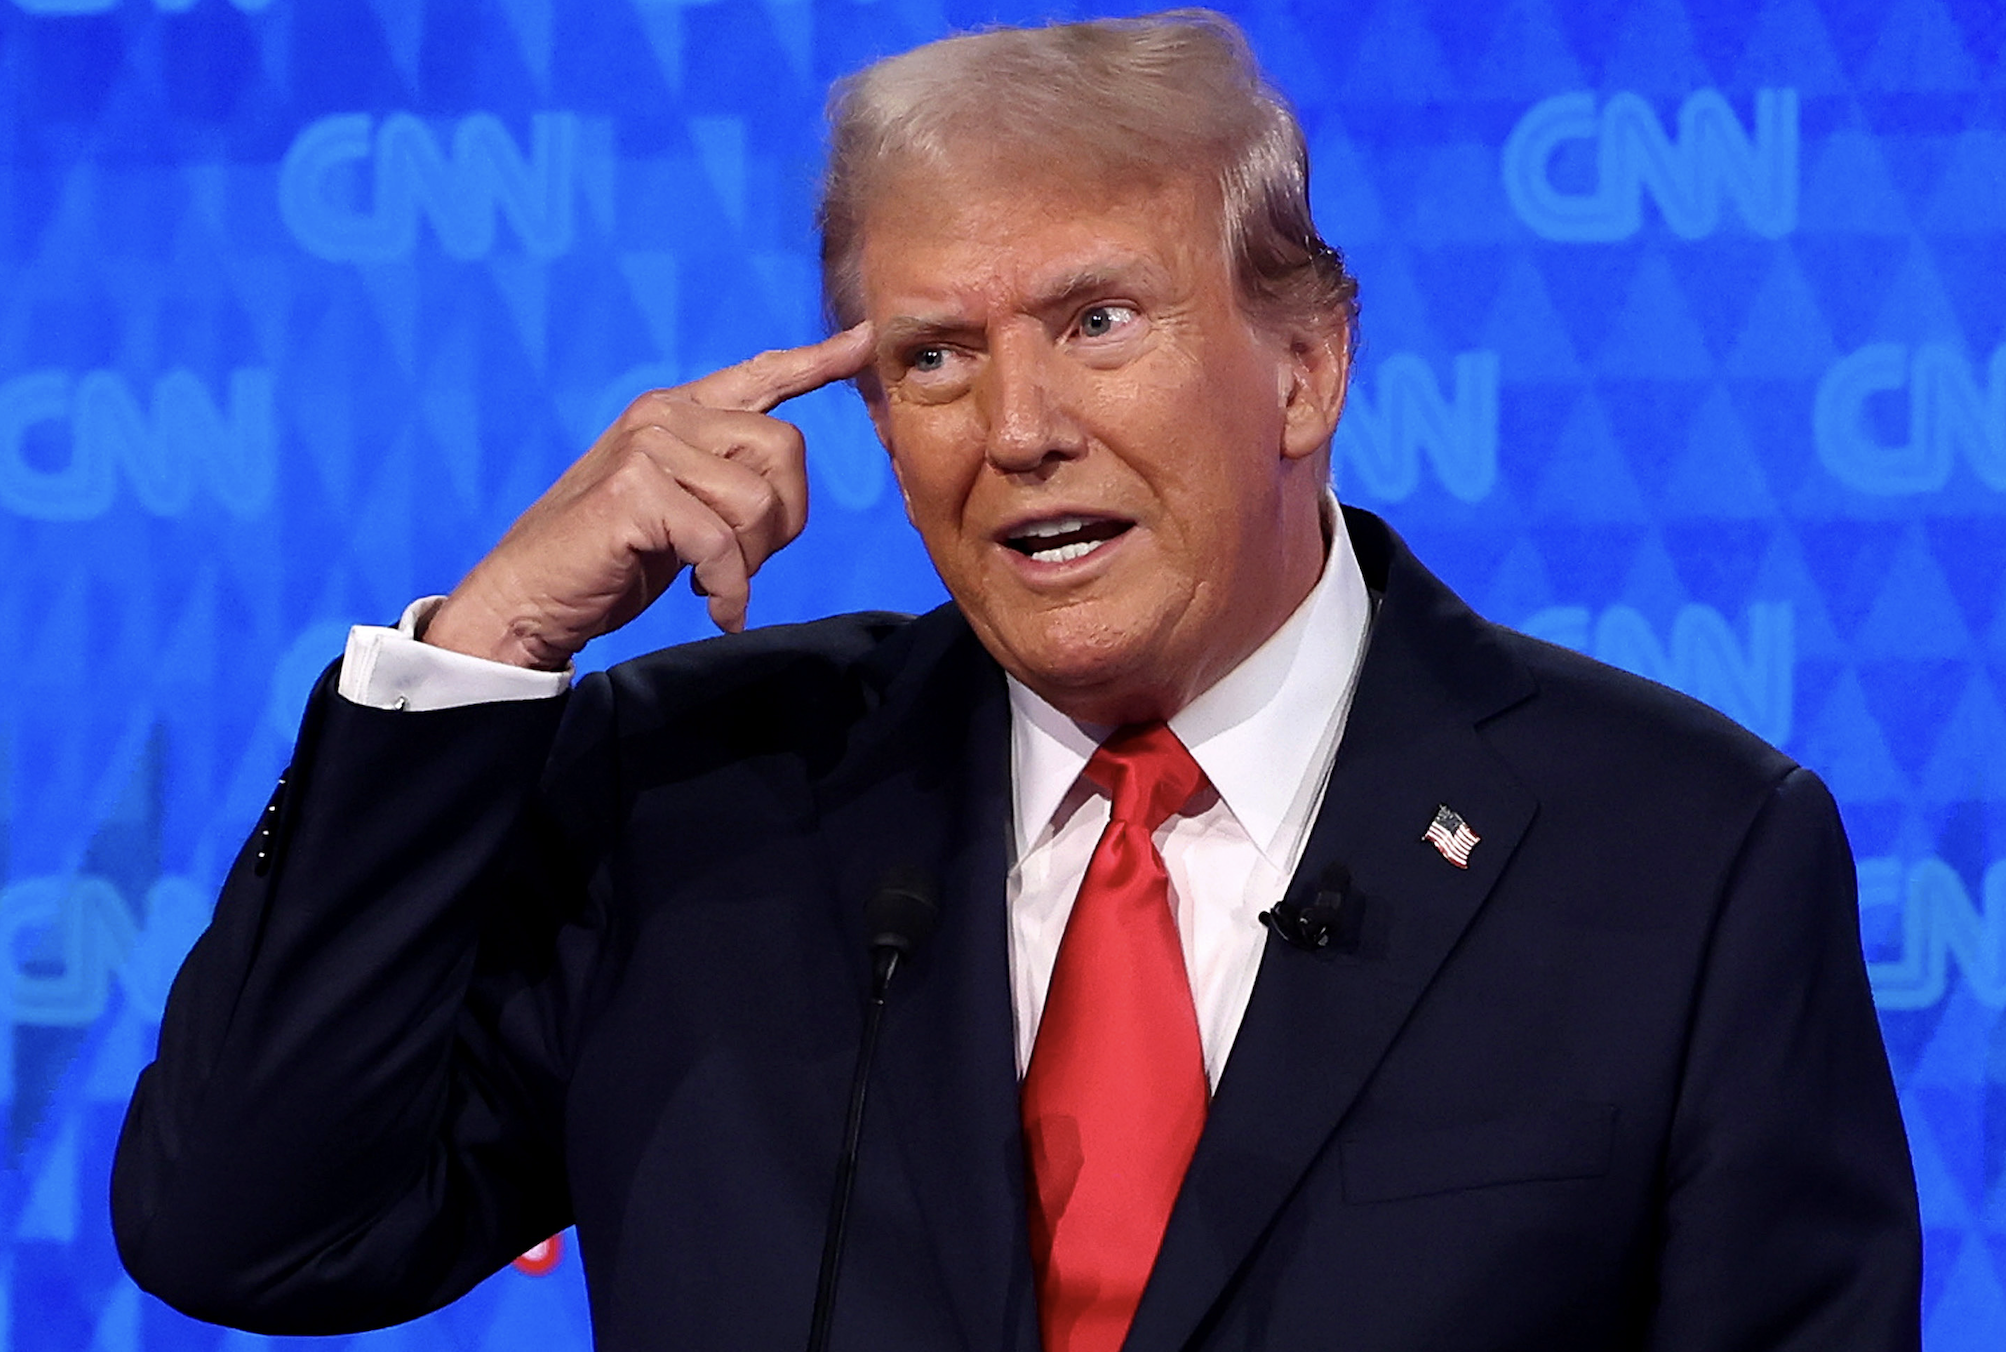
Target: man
{"type": "Point", "coordinates": [1561, 1037]}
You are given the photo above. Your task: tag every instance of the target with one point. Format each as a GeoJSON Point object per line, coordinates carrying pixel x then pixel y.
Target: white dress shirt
{"type": "Point", "coordinates": [1265, 735]}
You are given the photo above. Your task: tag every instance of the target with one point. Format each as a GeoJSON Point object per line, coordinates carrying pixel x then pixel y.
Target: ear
{"type": "Point", "coordinates": [1315, 373]}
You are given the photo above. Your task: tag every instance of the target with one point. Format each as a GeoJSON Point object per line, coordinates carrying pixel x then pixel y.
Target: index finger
{"type": "Point", "coordinates": [772, 378]}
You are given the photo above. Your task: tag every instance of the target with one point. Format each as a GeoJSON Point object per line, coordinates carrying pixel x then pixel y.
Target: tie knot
{"type": "Point", "coordinates": [1148, 771]}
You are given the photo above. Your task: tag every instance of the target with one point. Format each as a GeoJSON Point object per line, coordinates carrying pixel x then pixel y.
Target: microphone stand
{"type": "Point", "coordinates": [885, 962]}
{"type": "Point", "coordinates": [900, 917]}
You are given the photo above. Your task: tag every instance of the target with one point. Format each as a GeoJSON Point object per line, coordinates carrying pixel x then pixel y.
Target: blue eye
{"type": "Point", "coordinates": [929, 359]}
{"type": "Point", "coordinates": [1100, 321]}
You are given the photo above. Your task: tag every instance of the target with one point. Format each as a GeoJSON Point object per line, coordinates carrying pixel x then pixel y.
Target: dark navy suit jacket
{"type": "Point", "coordinates": [489, 971]}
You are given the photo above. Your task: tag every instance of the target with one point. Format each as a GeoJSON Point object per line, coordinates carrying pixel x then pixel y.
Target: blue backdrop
{"type": "Point", "coordinates": [1685, 345]}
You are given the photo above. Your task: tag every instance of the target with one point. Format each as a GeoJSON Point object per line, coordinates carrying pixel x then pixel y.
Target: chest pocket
{"type": "Point", "coordinates": [1572, 1141]}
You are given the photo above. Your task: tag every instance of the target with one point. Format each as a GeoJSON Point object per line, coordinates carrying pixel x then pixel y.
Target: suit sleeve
{"type": "Point", "coordinates": [355, 1112]}
{"type": "Point", "coordinates": [1791, 1220]}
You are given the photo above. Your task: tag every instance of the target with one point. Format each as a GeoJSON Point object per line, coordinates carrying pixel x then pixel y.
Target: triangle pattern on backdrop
{"type": "Point", "coordinates": [1655, 335]}
{"type": "Point", "coordinates": [1656, 446]}
{"type": "Point", "coordinates": [1789, 47]}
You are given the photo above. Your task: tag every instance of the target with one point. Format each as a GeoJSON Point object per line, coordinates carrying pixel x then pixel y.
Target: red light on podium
{"type": "Point", "coordinates": [539, 1259]}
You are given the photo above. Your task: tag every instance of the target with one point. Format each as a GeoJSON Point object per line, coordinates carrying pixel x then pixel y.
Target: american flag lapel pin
{"type": "Point", "coordinates": [1451, 836]}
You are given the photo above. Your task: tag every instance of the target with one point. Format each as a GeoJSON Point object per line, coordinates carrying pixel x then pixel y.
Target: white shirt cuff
{"type": "Point", "coordinates": [385, 668]}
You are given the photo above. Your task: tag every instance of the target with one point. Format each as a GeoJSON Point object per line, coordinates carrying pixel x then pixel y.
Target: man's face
{"type": "Point", "coordinates": [1116, 473]}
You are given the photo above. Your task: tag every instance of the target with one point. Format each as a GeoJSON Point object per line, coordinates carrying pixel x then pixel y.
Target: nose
{"type": "Point", "coordinates": [1023, 399]}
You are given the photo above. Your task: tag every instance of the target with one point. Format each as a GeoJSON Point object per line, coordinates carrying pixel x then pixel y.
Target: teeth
{"type": "Point", "coordinates": [1038, 530]}
{"type": "Point", "coordinates": [1067, 553]}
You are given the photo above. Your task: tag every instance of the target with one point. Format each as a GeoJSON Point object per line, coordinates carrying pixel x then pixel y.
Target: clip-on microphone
{"type": "Point", "coordinates": [1313, 926]}
{"type": "Point", "coordinates": [900, 917]}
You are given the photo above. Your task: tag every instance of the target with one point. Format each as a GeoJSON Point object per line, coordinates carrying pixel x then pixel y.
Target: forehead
{"type": "Point", "coordinates": [996, 231]}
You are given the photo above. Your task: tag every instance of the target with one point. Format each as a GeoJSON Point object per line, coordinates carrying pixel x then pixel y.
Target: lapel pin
{"type": "Point", "coordinates": [1451, 836]}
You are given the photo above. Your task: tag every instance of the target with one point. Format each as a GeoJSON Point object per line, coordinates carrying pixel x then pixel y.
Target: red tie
{"type": "Point", "coordinates": [1115, 1095]}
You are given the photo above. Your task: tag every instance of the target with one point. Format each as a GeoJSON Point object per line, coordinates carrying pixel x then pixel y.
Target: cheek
{"type": "Point", "coordinates": [935, 467]}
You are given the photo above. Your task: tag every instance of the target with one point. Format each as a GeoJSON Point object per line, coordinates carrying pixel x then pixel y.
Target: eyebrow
{"type": "Point", "coordinates": [1063, 292]}
{"type": "Point", "coordinates": [1077, 285]}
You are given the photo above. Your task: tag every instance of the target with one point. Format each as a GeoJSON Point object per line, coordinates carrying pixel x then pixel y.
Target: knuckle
{"type": "Point", "coordinates": [752, 496]}
{"type": "Point", "coordinates": [769, 518]}
{"type": "Point", "coordinates": [744, 495]}
{"type": "Point", "coordinates": [709, 539]}
{"type": "Point", "coordinates": [649, 407]}
{"type": "Point", "coordinates": [662, 411]}
{"type": "Point", "coordinates": [635, 475]}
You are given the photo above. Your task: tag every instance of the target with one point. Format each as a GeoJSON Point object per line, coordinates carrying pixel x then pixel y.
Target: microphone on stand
{"type": "Point", "coordinates": [900, 917]}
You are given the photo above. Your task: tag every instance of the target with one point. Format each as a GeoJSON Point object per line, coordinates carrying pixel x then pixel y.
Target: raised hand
{"type": "Point", "coordinates": [695, 476]}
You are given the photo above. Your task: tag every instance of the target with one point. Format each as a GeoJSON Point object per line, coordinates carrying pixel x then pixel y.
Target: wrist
{"type": "Point", "coordinates": [463, 624]}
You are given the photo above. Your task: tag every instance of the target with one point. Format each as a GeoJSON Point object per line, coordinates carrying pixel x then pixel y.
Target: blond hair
{"type": "Point", "coordinates": [1161, 97]}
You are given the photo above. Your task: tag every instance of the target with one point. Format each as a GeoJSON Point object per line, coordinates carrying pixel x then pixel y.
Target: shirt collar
{"type": "Point", "coordinates": [1260, 733]}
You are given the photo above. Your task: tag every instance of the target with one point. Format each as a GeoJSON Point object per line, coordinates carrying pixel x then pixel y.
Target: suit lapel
{"type": "Point", "coordinates": [925, 781]}
{"type": "Point", "coordinates": [1318, 1024]}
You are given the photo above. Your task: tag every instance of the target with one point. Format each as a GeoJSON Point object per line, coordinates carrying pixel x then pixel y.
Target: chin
{"type": "Point", "coordinates": [1096, 674]}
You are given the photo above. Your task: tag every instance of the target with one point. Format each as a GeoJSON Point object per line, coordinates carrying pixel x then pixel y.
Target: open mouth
{"type": "Point", "coordinates": [1062, 539]}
